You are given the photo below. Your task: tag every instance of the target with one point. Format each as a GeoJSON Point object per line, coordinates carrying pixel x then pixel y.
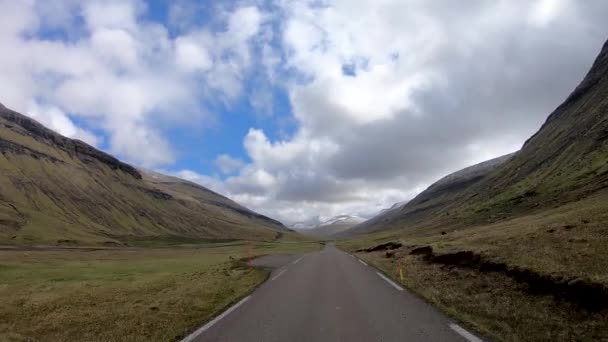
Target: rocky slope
{"type": "Point", "coordinates": [55, 190]}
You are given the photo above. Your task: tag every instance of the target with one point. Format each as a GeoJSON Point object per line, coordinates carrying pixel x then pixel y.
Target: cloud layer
{"type": "Point", "coordinates": [387, 96]}
{"type": "Point", "coordinates": [124, 74]}
{"type": "Point", "coordinates": [390, 97]}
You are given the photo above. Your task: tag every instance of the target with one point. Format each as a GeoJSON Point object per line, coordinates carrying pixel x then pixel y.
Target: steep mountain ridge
{"type": "Point", "coordinates": [58, 190]}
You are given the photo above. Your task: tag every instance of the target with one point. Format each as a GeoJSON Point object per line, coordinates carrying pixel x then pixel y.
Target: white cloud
{"type": "Point", "coordinates": [191, 55]}
{"type": "Point", "coordinates": [386, 96]}
{"type": "Point", "coordinates": [122, 72]}
{"type": "Point", "coordinates": [390, 96]}
{"type": "Point", "coordinates": [117, 45]}
{"type": "Point", "coordinates": [228, 164]}
{"type": "Point", "coordinates": [204, 180]}
{"type": "Point", "coordinates": [58, 121]}
{"type": "Point", "coordinates": [111, 14]}
{"type": "Point", "coordinates": [243, 24]}
{"type": "Point", "coordinates": [547, 10]}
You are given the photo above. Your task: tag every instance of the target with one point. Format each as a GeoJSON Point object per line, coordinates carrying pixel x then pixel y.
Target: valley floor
{"type": "Point", "coordinates": [124, 294]}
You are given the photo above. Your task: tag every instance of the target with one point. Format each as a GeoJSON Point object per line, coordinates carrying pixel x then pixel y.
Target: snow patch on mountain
{"type": "Point", "coordinates": [342, 219]}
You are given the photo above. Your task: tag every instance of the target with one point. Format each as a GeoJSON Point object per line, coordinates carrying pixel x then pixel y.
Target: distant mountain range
{"type": "Point", "coordinates": [329, 227]}
{"type": "Point", "coordinates": [55, 190]}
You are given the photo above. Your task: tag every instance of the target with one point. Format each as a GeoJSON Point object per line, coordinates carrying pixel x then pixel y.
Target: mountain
{"type": "Point", "coordinates": [434, 198]}
{"type": "Point", "coordinates": [330, 227]}
{"type": "Point", "coordinates": [565, 161]}
{"type": "Point", "coordinates": [393, 207]}
{"type": "Point", "coordinates": [341, 220]}
{"type": "Point", "coordinates": [55, 190]}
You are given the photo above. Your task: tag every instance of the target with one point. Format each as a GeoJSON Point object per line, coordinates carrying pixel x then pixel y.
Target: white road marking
{"type": "Point", "coordinates": [205, 327]}
{"type": "Point", "coordinates": [389, 281]}
{"type": "Point", "coordinates": [297, 261]}
{"type": "Point", "coordinates": [278, 275]}
{"type": "Point", "coordinates": [470, 337]}
{"type": "Point", "coordinates": [363, 262]}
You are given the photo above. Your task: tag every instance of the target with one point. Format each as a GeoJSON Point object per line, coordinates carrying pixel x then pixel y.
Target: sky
{"type": "Point", "coordinates": [300, 110]}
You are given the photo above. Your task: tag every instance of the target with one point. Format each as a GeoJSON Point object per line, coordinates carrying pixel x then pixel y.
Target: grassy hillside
{"type": "Point", "coordinates": [519, 254]}
{"type": "Point", "coordinates": [55, 190]}
{"type": "Point", "coordinates": [432, 200]}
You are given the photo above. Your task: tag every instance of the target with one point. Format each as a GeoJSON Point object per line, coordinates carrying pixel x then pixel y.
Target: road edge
{"type": "Point", "coordinates": [455, 320]}
{"type": "Point", "coordinates": [187, 336]}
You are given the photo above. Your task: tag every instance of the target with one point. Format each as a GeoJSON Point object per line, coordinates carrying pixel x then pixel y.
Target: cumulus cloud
{"type": "Point", "coordinates": [58, 121]}
{"type": "Point", "coordinates": [228, 164]}
{"type": "Point", "coordinates": [390, 96]}
{"type": "Point", "coordinates": [386, 96]}
{"type": "Point", "coordinates": [114, 68]}
{"type": "Point", "coordinates": [212, 183]}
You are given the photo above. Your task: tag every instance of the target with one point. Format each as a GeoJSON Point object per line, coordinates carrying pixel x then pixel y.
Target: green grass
{"type": "Point", "coordinates": [124, 294]}
{"type": "Point", "coordinates": [567, 241]}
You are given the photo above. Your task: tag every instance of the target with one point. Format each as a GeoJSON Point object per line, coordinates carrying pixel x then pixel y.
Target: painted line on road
{"type": "Point", "coordinates": [278, 275]}
{"type": "Point", "coordinates": [389, 281]}
{"type": "Point", "coordinates": [462, 332]}
{"type": "Point", "coordinates": [362, 262]}
{"type": "Point", "coordinates": [205, 327]}
{"type": "Point", "coordinates": [297, 261]}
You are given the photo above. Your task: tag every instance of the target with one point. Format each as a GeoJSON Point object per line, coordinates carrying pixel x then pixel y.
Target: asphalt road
{"type": "Point", "coordinates": [329, 296]}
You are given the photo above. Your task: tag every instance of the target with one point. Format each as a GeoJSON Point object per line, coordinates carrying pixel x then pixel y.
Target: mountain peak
{"type": "Point", "coordinates": [342, 219]}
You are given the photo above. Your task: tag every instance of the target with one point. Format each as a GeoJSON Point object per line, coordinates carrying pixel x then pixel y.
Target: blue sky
{"type": "Point", "coordinates": [301, 110]}
{"type": "Point", "coordinates": [197, 148]}
{"type": "Point", "coordinates": [231, 122]}
{"type": "Point", "coordinates": [225, 134]}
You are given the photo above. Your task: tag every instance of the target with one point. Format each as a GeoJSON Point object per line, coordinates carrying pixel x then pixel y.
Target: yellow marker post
{"type": "Point", "coordinates": [401, 273]}
{"type": "Point", "coordinates": [249, 253]}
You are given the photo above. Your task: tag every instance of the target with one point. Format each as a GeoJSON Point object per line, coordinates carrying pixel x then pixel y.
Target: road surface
{"type": "Point", "coordinates": [329, 296]}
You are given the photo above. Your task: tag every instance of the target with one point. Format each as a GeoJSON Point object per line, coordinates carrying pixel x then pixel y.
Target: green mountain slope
{"type": "Point", "coordinates": [58, 190]}
{"type": "Point", "coordinates": [432, 200]}
{"type": "Point", "coordinates": [565, 161]}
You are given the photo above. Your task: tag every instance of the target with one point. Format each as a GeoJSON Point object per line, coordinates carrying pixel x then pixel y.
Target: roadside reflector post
{"type": "Point", "coordinates": [400, 266]}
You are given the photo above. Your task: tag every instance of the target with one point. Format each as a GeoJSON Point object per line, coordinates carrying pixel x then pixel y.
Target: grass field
{"type": "Point", "coordinates": [566, 244]}
{"type": "Point", "coordinates": [138, 294]}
